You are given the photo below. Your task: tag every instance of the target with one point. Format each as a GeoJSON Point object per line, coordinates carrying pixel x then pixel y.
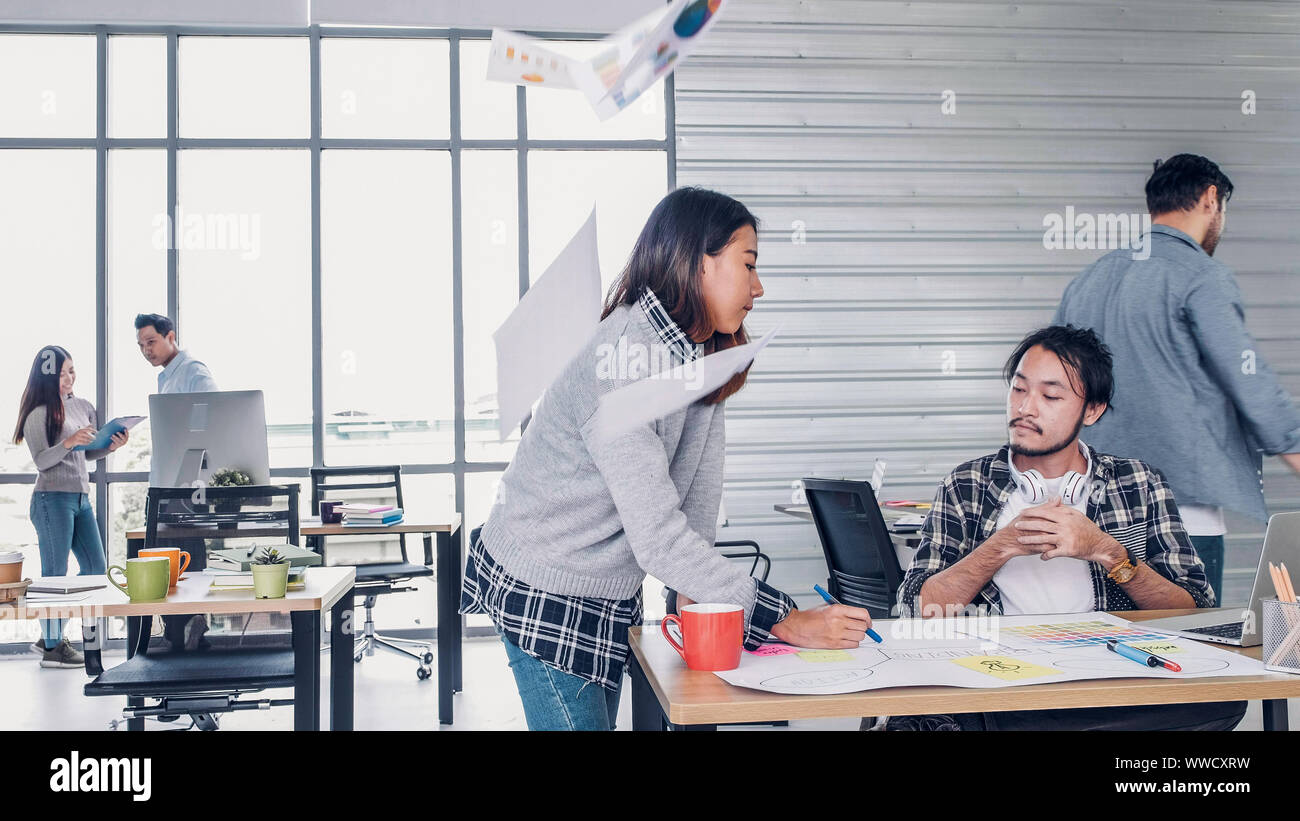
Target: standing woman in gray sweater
{"type": "Point", "coordinates": [53, 422]}
{"type": "Point", "coordinates": [581, 518]}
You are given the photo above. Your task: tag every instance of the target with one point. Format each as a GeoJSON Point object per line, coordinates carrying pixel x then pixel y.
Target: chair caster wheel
{"type": "Point", "coordinates": [357, 658]}
{"type": "Point", "coordinates": [428, 658]}
{"type": "Point", "coordinates": [423, 673]}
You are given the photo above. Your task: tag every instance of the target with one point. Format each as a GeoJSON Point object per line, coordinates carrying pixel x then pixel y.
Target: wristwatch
{"type": "Point", "coordinates": [1122, 572]}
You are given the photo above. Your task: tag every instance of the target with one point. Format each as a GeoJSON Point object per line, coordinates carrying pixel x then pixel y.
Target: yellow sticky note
{"type": "Point", "coordinates": [1007, 669]}
{"type": "Point", "coordinates": [1159, 648]}
{"type": "Point", "coordinates": [825, 655]}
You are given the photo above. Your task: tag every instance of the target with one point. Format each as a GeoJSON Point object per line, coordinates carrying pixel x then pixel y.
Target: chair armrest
{"type": "Point", "coordinates": [428, 550]}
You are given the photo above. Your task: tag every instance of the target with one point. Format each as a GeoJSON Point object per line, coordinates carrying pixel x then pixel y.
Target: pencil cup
{"type": "Point", "coordinates": [1281, 636]}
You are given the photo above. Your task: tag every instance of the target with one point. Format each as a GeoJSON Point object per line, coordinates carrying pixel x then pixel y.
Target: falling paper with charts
{"type": "Point", "coordinates": [629, 62]}
{"type": "Point", "coordinates": [990, 652]}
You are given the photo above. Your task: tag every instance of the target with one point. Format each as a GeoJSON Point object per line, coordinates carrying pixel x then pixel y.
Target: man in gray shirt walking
{"type": "Point", "coordinates": [1193, 397]}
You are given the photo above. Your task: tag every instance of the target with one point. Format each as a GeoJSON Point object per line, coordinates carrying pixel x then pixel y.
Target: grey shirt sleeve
{"type": "Point", "coordinates": [1217, 319]}
{"type": "Point", "coordinates": [634, 467]}
{"type": "Point", "coordinates": [44, 454]}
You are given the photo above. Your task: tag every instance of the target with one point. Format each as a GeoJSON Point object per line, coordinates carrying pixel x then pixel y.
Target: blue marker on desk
{"type": "Point", "coordinates": [832, 600]}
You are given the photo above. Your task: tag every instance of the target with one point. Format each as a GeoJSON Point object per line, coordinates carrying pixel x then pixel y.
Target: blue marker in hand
{"type": "Point", "coordinates": [832, 600]}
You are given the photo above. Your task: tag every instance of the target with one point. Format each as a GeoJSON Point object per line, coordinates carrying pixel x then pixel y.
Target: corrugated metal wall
{"type": "Point", "coordinates": [898, 238]}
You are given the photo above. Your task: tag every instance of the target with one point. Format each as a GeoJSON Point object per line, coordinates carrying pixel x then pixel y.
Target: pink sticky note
{"type": "Point", "coordinates": [773, 650]}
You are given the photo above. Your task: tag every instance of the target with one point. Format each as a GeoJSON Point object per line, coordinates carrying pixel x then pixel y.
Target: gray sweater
{"type": "Point", "coordinates": [61, 469]}
{"type": "Point", "coordinates": [579, 516]}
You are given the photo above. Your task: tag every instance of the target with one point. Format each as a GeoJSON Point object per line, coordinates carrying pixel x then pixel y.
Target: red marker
{"type": "Point", "coordinates": [1141, 656]}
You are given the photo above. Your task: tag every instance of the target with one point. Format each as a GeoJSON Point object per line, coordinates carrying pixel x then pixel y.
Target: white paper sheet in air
{"type": "Point", "coordinates": [907, 658]}
{"type": "Point", "coordinates": [548, 327]}
{"type": "Point", "coordinates": [665, 393]}
{"type": "Point", "coordinates": [630, 61]}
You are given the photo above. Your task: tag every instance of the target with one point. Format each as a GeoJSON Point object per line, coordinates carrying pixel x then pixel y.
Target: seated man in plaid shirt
{"type": "Point", "coordinates": [1049, 525]}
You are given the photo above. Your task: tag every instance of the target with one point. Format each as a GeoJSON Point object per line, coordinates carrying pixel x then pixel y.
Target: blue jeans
{"type": "Point", "coordinates": [1210, 549]}
{"type": "Point", "coordinates": [65, 521]}
{"type": "Point", "coordinates": [556, 700]}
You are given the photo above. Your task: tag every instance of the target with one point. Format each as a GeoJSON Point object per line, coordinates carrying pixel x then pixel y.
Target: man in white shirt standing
{"type": "Point", "coordinates": [181, 373]}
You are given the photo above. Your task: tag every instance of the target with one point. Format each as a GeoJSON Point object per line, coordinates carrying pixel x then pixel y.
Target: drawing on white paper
{"type": "Point", "coordinates": [1019, 650]}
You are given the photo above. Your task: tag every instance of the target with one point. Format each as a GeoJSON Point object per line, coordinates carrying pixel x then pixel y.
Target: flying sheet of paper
{"type": "Point", "coordinates": [664, 393]}
{"type": "Point", "coordinates": [522, 60]}
{"type": "Point", "coordinates": [631, 60]}
{"type": "Point", "coordinates": [548, 327]}
{"type": "Point", "coordinates": [640, 56]}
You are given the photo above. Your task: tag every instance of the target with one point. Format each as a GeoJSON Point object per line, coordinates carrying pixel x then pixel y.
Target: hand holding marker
{"type": "Point", "coordinates": [1141, 656]}
{"type": "Point", "coordinates": [832, 600]}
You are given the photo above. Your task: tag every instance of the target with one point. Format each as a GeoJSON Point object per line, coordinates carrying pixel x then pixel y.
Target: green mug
{"type": "Point", "coordinates": [147, 578]}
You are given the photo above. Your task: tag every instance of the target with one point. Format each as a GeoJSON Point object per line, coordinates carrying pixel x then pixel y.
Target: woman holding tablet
{"type": "Point", "coordinates": [53, 421]}
{"type": "Point", "coordinates": [581, 519]}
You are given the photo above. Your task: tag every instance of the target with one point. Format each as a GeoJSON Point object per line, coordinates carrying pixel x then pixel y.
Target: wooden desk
{"type": "Point", "coordinates": [665, 694]}
{"type": "Point", "coordinates": [325, 588]}
{"type": "Point", "coordinates": [447, 574]}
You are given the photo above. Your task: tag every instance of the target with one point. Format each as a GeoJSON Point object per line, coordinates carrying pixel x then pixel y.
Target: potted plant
{"type": "Point", "coordinates": [270, 574]}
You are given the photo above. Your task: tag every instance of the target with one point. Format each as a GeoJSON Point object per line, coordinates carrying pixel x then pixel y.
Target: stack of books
{"type": "Point", "coordinates": [223, 580]}
{"type": "Point", "coordinates": [357, 515]}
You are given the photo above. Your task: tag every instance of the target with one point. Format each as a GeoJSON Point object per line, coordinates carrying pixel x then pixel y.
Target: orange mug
{"type": "Point", "coordinates": [173, 554]}
{"type": "Point", "coordinates": [711, 635]}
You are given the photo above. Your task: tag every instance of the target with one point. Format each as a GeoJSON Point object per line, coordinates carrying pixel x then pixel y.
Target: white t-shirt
{"type": "Point", "coordinates": [1203, 520]}
{"type": "Point", "coordinates": [1030, 585]}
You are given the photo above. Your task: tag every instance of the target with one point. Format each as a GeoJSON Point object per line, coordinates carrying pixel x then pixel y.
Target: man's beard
{"type": "Point", "coordinates": [1212, 234]}
{"type": "Point", "coordinates": [1021, 450]}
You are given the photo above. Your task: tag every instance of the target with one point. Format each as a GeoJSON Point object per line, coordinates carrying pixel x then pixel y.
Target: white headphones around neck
{"type": "Point", "coordinates": [1033, 487]}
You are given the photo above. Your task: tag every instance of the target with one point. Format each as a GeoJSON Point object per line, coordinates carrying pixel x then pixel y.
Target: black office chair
{"type": "Point", "coordinates": [381, 485]}
{"type": "Point", "coordinates": [201, 684]}
{"type": "Point", "coordinates": [864, 569]}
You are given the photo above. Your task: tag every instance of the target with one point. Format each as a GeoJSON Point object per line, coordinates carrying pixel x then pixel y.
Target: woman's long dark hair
{"type": "Point", "coordinates": [43, 391]}
{"type": "Point", "coordinates": [668, 258]}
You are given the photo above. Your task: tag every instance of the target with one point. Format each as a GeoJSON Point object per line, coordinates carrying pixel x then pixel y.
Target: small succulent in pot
{"type": "Point", "coordinates": [270, 574]}
{"type": "Point", "coordinates": [270, 555]}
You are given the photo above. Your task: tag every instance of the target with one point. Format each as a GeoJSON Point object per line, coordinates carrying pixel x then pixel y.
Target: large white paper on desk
{"type": "Point", "coordinates": [966, 653]}
{"type": "Point", "coordinates": [661, 394]}
{"type": "Point", "coordinates": [632, 59]}
{"type": "Point", "coordinates": [548, 327]}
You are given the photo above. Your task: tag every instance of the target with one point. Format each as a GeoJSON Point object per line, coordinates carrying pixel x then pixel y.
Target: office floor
{"type": "Point", "coordinates": [388, 697]}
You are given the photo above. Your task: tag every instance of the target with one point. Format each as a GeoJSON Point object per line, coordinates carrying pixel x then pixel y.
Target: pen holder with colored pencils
{"type": "Point", "coordinates": [1281, 636]}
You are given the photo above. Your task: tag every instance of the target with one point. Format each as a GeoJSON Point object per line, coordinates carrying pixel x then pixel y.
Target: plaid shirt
{"type": "Point", "coordinates": [582, 635]}
{"type": "Point", "coordinates": [1129, 500]}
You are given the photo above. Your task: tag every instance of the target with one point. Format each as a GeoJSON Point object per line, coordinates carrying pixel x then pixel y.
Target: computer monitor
{"type": "Point", "coordinates": [197, 434]}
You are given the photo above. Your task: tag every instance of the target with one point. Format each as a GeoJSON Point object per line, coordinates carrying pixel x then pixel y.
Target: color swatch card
{"type": "Point", "coordinates": [1076, 633]}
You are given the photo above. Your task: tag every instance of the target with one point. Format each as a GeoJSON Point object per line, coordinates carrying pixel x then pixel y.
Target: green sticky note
{"type": "Point", "coordinates": [825, 655]}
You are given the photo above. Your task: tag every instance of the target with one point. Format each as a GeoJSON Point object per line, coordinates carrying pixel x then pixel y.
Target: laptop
{"type": "Point", "coordinates": [1233, 625]}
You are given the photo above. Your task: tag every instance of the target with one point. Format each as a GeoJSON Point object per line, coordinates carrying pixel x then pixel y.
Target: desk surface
{"type": "Point", "coordinates": [691, 697]}
{"type": "Point", "coordinates": [324, 587]}
{"type": "Point", "coordinates": [444, 524]}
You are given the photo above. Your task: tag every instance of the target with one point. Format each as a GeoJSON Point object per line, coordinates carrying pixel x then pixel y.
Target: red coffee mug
{"type": "Point", "coordinates": [711, 635]}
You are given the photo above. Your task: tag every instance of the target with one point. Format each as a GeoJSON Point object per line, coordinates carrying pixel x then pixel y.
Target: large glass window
{"type": "Point", "coordinates": [386, 248]}
{"type": "Point", "coordinates": [419, 238]}
{"type": "Point", "coordinates": [47, 250]}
